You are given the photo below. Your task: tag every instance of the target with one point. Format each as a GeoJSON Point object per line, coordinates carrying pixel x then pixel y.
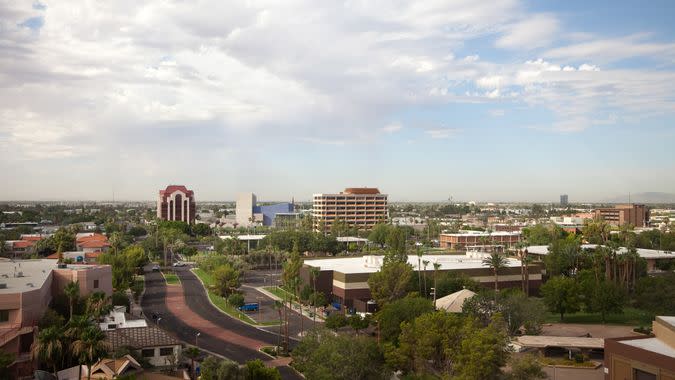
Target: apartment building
{"type": "Point", "coordinates": [361, 207]}
{"type": "Point", "coordinates": [177, 203]}
{"type": "Point", "coordinates": [26, 289]}
{"type": "Point", "coordinates": [620, 215]}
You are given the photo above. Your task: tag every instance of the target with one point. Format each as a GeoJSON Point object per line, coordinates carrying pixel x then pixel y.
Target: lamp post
{"type": "Point", "coordinates": [158, 319]}
{"type": "Point", "coordinates": [197, 339]}
{"type": "Point", "coordinates": [433, 293]}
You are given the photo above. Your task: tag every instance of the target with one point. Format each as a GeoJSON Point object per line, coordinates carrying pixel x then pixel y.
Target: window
{"type": "Point", "coordinates": [148, 352]}
{"type": "Point", "coordinates": [166, 351]}
{"type": "Point", "coordinates": [95, 284]}
{"type": "Point", "coordinates": [4, 315]}
{"type": "Point", "coordinates": [642, 375]}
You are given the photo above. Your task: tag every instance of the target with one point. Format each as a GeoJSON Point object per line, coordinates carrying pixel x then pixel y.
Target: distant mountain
{"type": "Point", "coordinates": [649, 197]}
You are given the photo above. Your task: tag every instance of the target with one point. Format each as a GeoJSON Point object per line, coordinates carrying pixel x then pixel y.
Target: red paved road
{"type": "Point", "coordinates": [175, 302]}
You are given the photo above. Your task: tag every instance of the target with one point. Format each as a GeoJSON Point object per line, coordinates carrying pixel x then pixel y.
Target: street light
{"type": "Point", "coordinates": [197, 339]}
{"type": "Point", "coordinates": [158, 319]}
{"type": "Point", "coordinates": [433, 293]}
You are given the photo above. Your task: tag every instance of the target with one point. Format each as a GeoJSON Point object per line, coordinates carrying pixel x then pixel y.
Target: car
{"type": "Point", "coordinates": [155, 268]}
{"type": "Point", "coordinates": [179, 264]}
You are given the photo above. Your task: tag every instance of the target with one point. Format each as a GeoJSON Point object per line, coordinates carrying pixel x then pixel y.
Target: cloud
{"type": "Point", "coordinates": [533, 32]}
{"type": "Point", "coordinates": [608, 50]}
{"type": "Point", "coordinates": [441, 133]}
{"type": "Point", "coordinates": [391, 128]}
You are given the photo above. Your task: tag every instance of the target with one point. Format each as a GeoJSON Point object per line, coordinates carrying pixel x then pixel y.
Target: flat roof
{"type": "Point", "coordinates": [481, 233]}
{"type": "Point", "coordinates": [24, 275]}
{"type": "Point", "coordinates": [244, 237]}
{"type": "Point", "coordinates": [351, 239]}
{"type": "Point", "coordinates": [542, 341]}
{"type": "Point", "coordinates": [372, 264]}
{"type": "Point", "coordinates": [642, 252]}
{"type": "Point", "coordinates": [651, 344]}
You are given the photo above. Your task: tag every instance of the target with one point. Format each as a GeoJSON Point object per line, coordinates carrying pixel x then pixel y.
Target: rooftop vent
{"type": "Point", "coordinates": [30, 284]}
{"type": "Point", "coordinates": [19, 274]}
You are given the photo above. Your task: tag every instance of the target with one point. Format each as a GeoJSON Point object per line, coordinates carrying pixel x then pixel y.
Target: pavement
{"type": "Point", "coordinates": [185, 311]}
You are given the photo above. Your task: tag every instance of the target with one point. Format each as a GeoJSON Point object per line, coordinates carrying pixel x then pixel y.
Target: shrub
{"type": "Point", "coordinates": [236, 300]}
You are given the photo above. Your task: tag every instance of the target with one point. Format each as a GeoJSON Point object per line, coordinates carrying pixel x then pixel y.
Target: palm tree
{"type": "Point", "coordinates": [98, 305]}
{"type": "Point", "coordinates": [437, 266]}
{"type": "Point", "coordinates": [49, 347]}
{"type": "Point", "coordinates": [192, 353]}
{"type": "Point", "coordinates": [314, 273]}
{"type": "Point", "coordinates": [91, 347]}
{"type": "Point", "coordinates": [425, 263]}
{"type": "Point", "coordinates": [278, 306]}
{"type": "Point", "coordinates": [76, 326]}
{"type": "Point", "coordinates": [496, 262]}
{"type": "Point", "coordinates": [72, 291]}
{"type": "Point", "coordinates": [419, 268]}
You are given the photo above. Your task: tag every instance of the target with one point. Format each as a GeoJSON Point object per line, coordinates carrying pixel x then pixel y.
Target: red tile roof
{"type": "Point", "coordinates": [24, 243]}
{"type": "Point", "coordinates": [362, 190]}
{"type": "Point", "coordinates": [173, 188]}
{"type": "Point", "coordinates": [93, 244]}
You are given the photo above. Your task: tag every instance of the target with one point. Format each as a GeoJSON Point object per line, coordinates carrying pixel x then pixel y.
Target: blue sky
{"type": "Point", "coordinates": [511, 100]}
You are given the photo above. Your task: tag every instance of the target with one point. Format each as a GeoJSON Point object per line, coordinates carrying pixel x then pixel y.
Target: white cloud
{"type": "Point", "coordinates": [391, 128]}
{"type": "Point", "coordinates": [441, 133]}
{"type": "Point", "coordinates": [614, 49]}
{"type": "Point", "coordinates": [532, 32]}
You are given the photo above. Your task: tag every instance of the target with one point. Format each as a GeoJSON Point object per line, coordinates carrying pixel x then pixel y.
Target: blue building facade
{"type": "Point", "coordinates": [269, 212]}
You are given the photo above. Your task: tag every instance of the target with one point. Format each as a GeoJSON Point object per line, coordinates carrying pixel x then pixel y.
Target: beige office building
{"type": "Point", "coordinates": [361, 207]}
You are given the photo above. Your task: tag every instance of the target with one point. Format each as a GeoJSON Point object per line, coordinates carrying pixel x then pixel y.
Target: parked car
{"type": "Point", "coordinates": [155, 268]}
{"type": "Point", "coordinates": [179, 264]}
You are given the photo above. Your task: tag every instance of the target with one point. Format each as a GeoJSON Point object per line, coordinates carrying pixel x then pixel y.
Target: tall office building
{"type": "Point", "coordinates": [176, 202]}
{"type": "Point", "coordinates": [361, 207]}
{"type": "Point", "coordinates": [619, 215]}
{"type": "Point", "coordinates": [564, 200]}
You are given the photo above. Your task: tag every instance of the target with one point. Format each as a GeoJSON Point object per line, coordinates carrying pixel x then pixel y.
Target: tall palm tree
{"type": "Point", "coordinates": [76, 326]}
{"type": "Point", "coordinates": [72, 291]}
{"type": "Point", "coordinates": [437, 266]}
{"type": "Point", "coordinates": [192, 353]}
{"type": "Point", "coordinates": [496, 262]}
{"type": "Point", "coordinates": [90, 347]}
{"type": "Point", "coordinates": [419, 268]}
{"type": "Point", "coordinates": [98, 305]}
{"type": "Point", "coordinates": [278, 306]}
{"type": "Point", "coordinates": [425, 263]}
{"type": "Point", "coordinates": [49, 347]}
{"type": "Point", "coordinates": [314, 273]}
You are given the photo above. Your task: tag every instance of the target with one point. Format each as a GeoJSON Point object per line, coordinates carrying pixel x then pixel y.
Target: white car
{"type": "Point", "coordinates": [155, 268]}
{"type": "Point", "coordinates": [179, 264]}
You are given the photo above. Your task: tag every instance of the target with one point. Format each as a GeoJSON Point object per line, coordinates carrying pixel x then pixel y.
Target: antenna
{"type": "Point", "coordinates": [629, 198]}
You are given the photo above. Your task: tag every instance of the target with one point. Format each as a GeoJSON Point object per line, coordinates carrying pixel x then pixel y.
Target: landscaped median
{"type": "Point", "coordinates": [171, 278]}
{"type": "Point", "coordinates": [220, 302]}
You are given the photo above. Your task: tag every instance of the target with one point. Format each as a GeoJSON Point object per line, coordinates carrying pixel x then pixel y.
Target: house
{"type": "Point", "coordinates": [153, 343]}
{"type": "Point", "coordinates": [104, 369]}
{"type": "Point", "coordinates": [93, 242]}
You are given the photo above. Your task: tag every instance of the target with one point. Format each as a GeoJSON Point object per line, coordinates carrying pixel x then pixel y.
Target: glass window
{"type": "Point", "coordinates": [148, 352]}
{"type": "Point", "coordinates": [166, 351]}
{"type": "Point", "coordinates": [4, 315]}
{"type": "Point", "coordinates": [95, 284]}
{"type": "Point", "coordinates": [642, 375]}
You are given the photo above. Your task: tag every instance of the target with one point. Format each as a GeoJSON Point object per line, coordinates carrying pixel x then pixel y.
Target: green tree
{"type": "Point", "coordinates": [517, 309]}
{"type": "Point", "coordinates": [76, 327]}
{"type": "Point", "coordinates": [483, 353]}
{"type": "Point", "coordinates": [525, 367]}
{"type": "Point", "coordinates": [656, 294]}
{"type": "Point", "coordinates": [323, 355]}
{"type": "Point", "coordinates": [98, 305]}
{"type": "Point", "coordinates": [379, 233]}
{"type": "Point", "coordinates": [192, 354]}
{"type": "Point", "coordinates": [563, 256]}
{"type": "Point", "coordinates": [6, 360]}
{"type": "Point", "coordinates": [72, 291]}
{"type": "Point", "coordinates": [394, 313]}
{"type": "Point", "coordinates": [90, 347]}
{"type": "Point", "coordinates": [496, 262]}
{"type": "Point", "coordinates": [256, 370]}
{"type": "Point", "coordinates": [201, 229]}
{"type": "Point", "coordinates": [236, 300]}
{"type": "Point", "coordinates": [335, 321]}
{"type": "Point", "coordinates": [391, 282]}
{"type": "Point", "coordinates": [49, 347]}
{"type": "Point", "coordinates": [226, 279]}
{"type": "Point", "coordinates": [607, 298]}
{"type": "Point", "coordinates": [396, 246]}
{"type": "Point", "coordinates": [561, 295]}
{"type": "Point", "coordinates": [358, 323]}
{"type": "Point", "coordinates": [216, 369]}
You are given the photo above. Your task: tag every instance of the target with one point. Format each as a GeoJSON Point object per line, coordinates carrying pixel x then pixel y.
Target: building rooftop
{"type": "Point", "coordinates": [372, 264]}
{"type": "Point", "coordinates": [24, 275]}
{"type": "Point", "coordinates": [655, 345]}
{"type": "Point", "coordinates": [642, 252]}
{"type": "Point", "coordinates": [542, 341]}
{"type": "Point", "coordinates": [140, 337]}
{"type": "Point", "coordinates": [481, 233]}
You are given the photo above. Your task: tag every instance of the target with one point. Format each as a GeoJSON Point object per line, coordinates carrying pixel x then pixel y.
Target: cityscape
{"type": "Point", "coordinates": [337, 190]}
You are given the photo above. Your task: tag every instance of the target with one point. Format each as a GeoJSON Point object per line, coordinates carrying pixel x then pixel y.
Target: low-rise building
{"type": "Point", "coordinates": [26, 289]}
{"type": "Point", "coordinates": [462, 240]}
{"type": "Point", "coordinates": [344, 280]}
{"type": "Point", "coordinates": [645, 357]}
{"type": "Point", "coordinates": [151, 342]}
{"type": "Point", "coordinates": [621, 215]}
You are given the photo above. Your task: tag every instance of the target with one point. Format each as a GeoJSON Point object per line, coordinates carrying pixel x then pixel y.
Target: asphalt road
{"type": "Point", "coordinates": [154, 302]}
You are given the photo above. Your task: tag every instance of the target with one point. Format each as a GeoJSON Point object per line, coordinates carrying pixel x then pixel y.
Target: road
{"type": "Point", "coordinates": [199, 316]}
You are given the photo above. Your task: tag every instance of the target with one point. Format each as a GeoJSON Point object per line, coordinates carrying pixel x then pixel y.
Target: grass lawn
{"type": "Point", "coordinates": [171, 278]}
{"type": "Point", "coordinates": [279, 292]}
{"type": "Point", "coordinates": [219, 301]}
{"type": "Point", "coordinates": [630, 316]}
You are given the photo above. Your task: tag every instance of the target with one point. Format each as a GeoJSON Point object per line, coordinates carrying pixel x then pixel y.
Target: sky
{"type": "Point", "coordinates": [503, 100]}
